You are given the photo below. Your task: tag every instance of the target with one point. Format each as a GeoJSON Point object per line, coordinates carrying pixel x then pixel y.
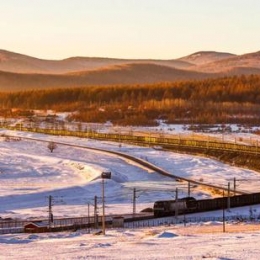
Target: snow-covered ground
{"type": "Point", "coordinates": [167, 242]}
{"type": "Point", "coordinates": [29, 173]}
{"type": "Point", "coordinates": [225, 132]}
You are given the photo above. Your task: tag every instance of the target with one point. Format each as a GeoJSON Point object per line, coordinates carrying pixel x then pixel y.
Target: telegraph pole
{"type": "Point", "coordinates": [176, 203]}
{"type": "Point", "coordinates": [50, 212]}
{"type": "Point", "coordinates": [228, 202]}
{"type": "Point", "coordinates": [188, 188]}
{"type": "Point", "coordinates": [134, 202]}
{"type": "Point", "coordinates": [88, 220]}
{"type": "Point", "coordinates": [95, 212]}
{"type": "Point", "coordinates": [103, 207]}
{"type": "Point", "coordinates": [104, 175]}
{"type": "Point", "coordinates": [224, 229]}
{"type": "Point", "coordinates": [235, 186]}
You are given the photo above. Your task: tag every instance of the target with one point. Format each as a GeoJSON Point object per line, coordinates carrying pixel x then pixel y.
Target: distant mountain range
{"type": "Point", "coordinates": [21, 72]}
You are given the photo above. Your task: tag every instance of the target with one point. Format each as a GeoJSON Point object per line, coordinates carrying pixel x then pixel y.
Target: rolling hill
{"type": "Point", "coordinates": [18, 63]}
{"type": "Point", "coordinates": [246, 62]}
{"type": "Point", "coordinates": [21, 72]}
{"type": "Point", "coordinates": [112, 75]}
{"type": "Point", "coordinates": [205, 57]}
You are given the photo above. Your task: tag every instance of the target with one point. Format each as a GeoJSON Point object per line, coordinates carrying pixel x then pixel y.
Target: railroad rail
{"type": "Point", "coordinates": [143, 163]}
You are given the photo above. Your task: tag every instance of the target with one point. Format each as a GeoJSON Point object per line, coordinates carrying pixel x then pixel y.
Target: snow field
{"type": "Point", "coordinates": [29, 173]}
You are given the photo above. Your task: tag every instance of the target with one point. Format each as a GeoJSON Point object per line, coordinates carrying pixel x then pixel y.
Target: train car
{"type": "Point", "coordinates": [210, 204]}
{"type": "Point", "coordinates": [169, 207]}
{"type": "Point", "coordinates": [245, 200]}
{"type": "Point", "coordinates": [191, 205]}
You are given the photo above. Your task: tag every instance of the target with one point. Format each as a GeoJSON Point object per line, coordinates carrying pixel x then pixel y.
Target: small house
{"type": "Point", "coordinates": [36, 227]}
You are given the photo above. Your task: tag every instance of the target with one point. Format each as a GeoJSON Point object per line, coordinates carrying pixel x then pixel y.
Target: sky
{"type": "Point", "coordinates": [156, 29]}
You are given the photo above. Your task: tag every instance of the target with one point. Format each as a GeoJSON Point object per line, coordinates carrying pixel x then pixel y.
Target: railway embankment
{"type": "Point", "coordinates": [233, 153]}
{"type": "Point", "coordinates": [234, 158]}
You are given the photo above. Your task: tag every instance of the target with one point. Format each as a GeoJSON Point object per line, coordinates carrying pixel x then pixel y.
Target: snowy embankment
{"type": "Point", "coordinates": [29, 173]}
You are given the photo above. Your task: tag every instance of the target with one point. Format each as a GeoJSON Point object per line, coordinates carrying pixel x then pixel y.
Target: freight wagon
{"type": "Point", "coordinates": [191, 205]}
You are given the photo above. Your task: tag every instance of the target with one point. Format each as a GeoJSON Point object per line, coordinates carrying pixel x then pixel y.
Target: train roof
{"type": "Point", "coordinates": [179, 199]}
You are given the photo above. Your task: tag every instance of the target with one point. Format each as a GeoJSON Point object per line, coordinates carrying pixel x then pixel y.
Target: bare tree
{"type": "Point", "coordinates": [52, 146]}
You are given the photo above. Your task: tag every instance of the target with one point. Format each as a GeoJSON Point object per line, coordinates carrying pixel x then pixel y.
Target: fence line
{"type": "Point", "coordinates": [10, 227]}
{"type": "Point", "coordinates": [168, 141]}
{"type": "Point", "coordinates": [188, 220]}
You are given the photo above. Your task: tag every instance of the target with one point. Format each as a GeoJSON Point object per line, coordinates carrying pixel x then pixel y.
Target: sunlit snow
{"type": "Point", "coordinates": [29, 173]}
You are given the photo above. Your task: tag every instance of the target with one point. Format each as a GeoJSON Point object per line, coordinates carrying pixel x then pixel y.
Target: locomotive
{"type": "Point", "coordinates": [191, 205]}
{"type": "Point", "coordinates": [169, 207]}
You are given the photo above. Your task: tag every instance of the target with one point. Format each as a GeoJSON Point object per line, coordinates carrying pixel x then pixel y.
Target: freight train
{"type": "Point", "coordinates": [191, 205]}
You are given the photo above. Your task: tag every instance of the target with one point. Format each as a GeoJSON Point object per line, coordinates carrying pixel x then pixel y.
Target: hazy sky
{"type": "Point", "coordinates": [163, 29]}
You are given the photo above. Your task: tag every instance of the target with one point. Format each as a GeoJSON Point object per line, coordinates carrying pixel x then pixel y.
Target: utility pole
{"type": "Point", "coordinates": [103, 207]}
{"type": "Point", "coordinates": [104, 175]}
{"type": "Point", "coordinates": [95, 212]}
{"type": "Point", "coordinates": [88, 220]}
{"type": "Point", "coordinates": [224, 229]}
{"type": "Point", "coordinates": [50, 212]}
{"type": "Point", "coordinates": [176, 203]}
{"type": "Point", "coordinates": [235, 186]}
{"type": "Point", "coordinates": [228, 202]}
{"type": "Point", "coordinates": [134, 202]}
{"type": "Point", "coordinates": [188, 188]}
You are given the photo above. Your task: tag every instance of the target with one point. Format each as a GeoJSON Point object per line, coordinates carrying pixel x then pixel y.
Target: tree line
{"type": "Point", "coordinates": [233, 99]}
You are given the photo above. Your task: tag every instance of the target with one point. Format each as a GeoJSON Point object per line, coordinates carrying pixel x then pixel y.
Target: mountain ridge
{"type": "Point", "coordinates": [113, 75]}
{"type": "Point", "coordinates": [21, 72]}
{"type": "Point", "coordinates": [19, 63]}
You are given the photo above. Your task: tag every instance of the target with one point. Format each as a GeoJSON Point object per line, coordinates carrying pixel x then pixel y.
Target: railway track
{"type": "Point", "coordinates": [142, 163]}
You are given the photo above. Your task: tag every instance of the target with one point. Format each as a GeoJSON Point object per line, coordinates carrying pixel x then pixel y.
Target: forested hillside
{"type": "Point", "coordinates": [225, 100]}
